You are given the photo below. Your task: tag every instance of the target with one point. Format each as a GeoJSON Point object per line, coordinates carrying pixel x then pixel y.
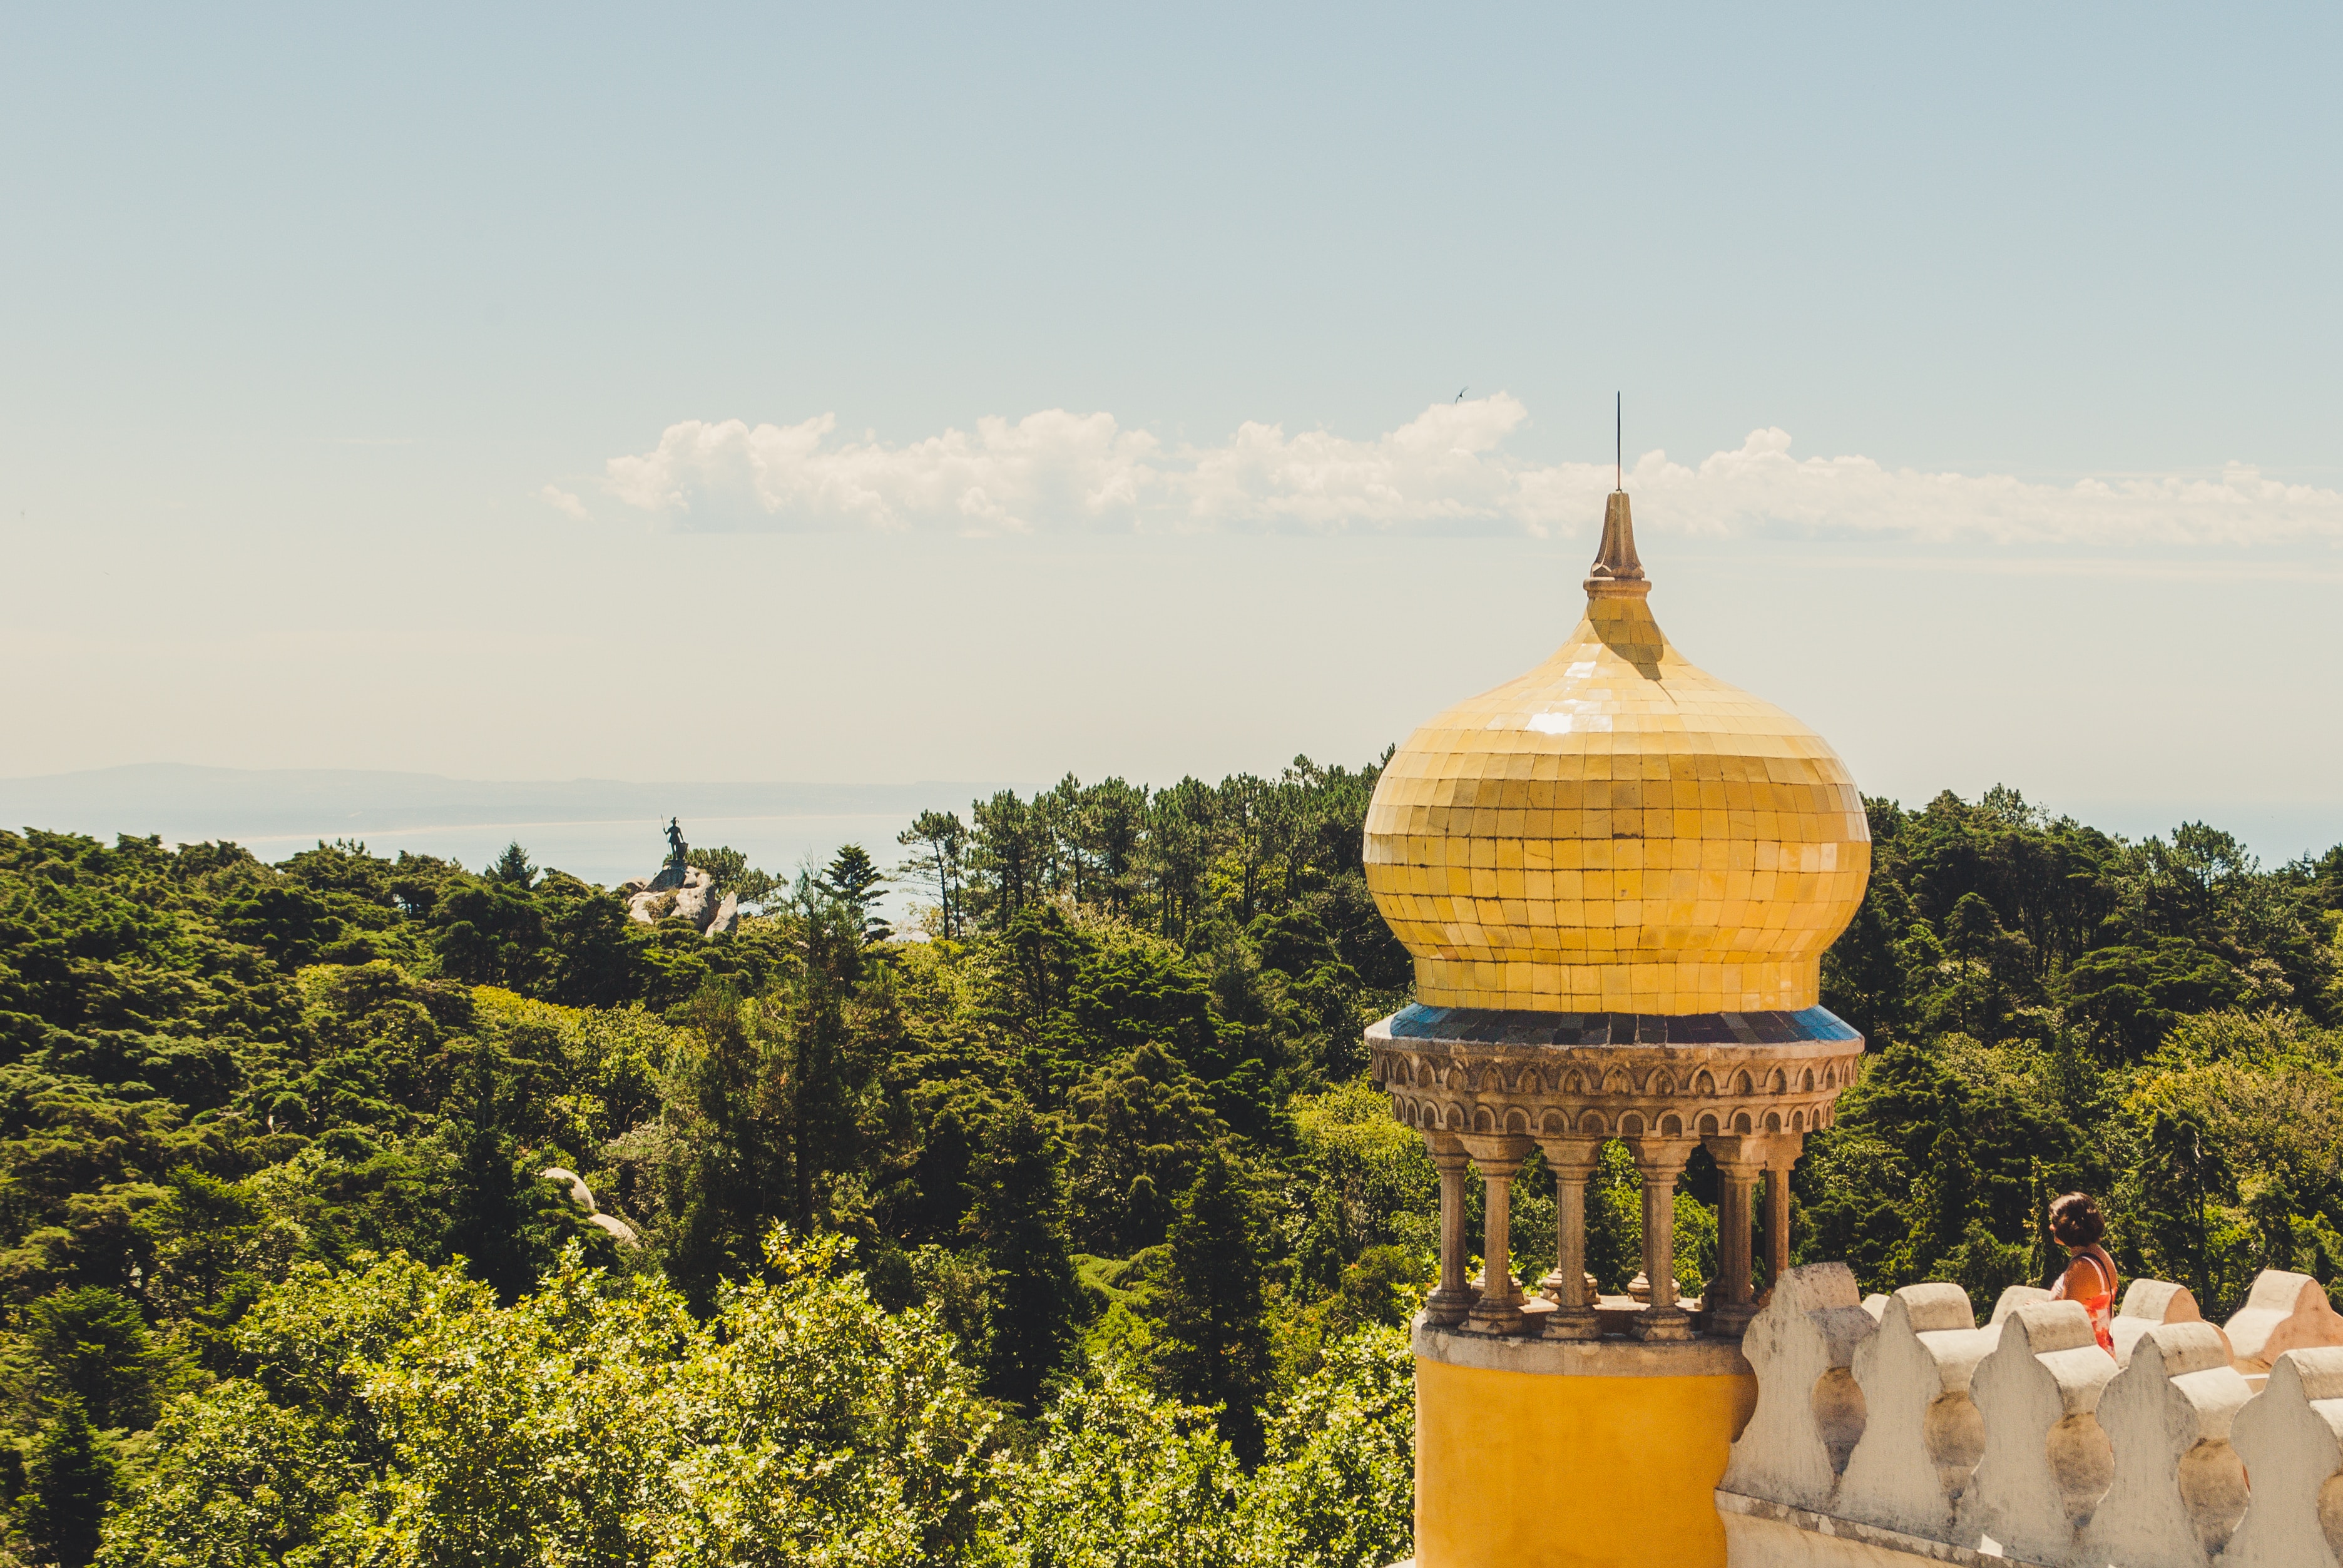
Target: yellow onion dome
{"type": "Point", "coordinates": [1617, 832]}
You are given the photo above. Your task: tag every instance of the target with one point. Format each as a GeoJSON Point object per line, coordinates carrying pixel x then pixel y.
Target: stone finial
{"type": "Point", "coordinates": [2047, 1462]}
{"type": "Point", "coordinates": [1617, 572]}
{"type": "Point", "coordinates": [2015, 1297]}
{"type": "Point", "coordinates": [2179, 1488]}
{"type": "Point", "coordinates": [2283, 1312]}
{"type": "Point", "coordinates": [2146, 1303]}
{"type": "Point", "coordinates": [2290, 1439]}
{"type": "Point", "coordinates": [1923, 1436]}
{"type": "Point", "coordinates": [1809, 1412]}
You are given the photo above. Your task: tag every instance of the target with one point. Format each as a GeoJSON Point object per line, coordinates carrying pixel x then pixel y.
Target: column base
{"type": "Point", "coordinates": [1450, 1307]}
{"type": "Point", "coordinates": [1495, 1316]}
{"type": "Point", "coordinates": [1572, 1324]}
{"type": "Point", "coordinates": [1726, 1322]}
{"type": "Point", "coordinates": [1665, 1325]}
{"type": "Point", "coordinates": [1553, 1285]}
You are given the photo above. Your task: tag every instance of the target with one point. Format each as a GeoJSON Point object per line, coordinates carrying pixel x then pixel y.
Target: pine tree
{"type": "Point", "coordinates": [1004, 857]}
{"type": "Point", "coordinates": [512, 868]}
{"type": "Point", "coordinates": [1213, 1328]}
{"type": "Point", "coordinates": [69, 1482]}
{"type": "Point", "coordinates": [853, 879]}
{"type": "Point", "coordinates": [939, 842]}
{"type": "Point", "coordinates": [1020, 1218]}
{"type": "Point", "coordinates": [825, 1069]}
{"type": "Point", "coordinates": [95, 1343]}
{"type": "Point", "coordinates": [732, 1109]}
{"type": "Point", "coordinates": [493, 1201]}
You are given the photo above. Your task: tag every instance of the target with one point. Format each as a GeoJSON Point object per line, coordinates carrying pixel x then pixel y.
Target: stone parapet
{"type": "Point", "coordinates": [1762, 1533]}
{"type": "Point", "coordinates": [1897, 1430]}
{"type": "Point", "coordinates": [1577, 1358]}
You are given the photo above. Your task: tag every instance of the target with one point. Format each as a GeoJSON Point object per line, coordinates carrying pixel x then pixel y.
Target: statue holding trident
{"type": "Point", "coordinates": [675, 845]}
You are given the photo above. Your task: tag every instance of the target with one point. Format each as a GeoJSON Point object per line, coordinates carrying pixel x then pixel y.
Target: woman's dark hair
{"type": "Point", "coordinates": [2075, 1219]}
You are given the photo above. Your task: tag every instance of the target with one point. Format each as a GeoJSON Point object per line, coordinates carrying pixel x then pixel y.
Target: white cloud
{"type": "Point", "coordinates": [1052, 469]}
{"type": "Point", "coordinates": [1445, 471]}
{"type": "Point", "coordinates": [563, 501]}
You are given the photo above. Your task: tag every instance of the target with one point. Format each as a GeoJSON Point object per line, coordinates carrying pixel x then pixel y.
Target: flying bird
{"type": "Point", "coordinates": [1460, 393]}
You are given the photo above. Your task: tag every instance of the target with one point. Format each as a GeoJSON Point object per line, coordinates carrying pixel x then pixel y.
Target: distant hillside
{"type": "Point", "coordinates": [182, 802]}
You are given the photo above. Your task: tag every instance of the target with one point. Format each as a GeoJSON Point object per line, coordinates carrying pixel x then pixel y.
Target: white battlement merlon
{"type": "Point", "coordinates": [1923, 1436]}
{"type": "Point", "coordinates": [1809, 1415]}
{"type": "Point", "coordinates": [2146, 1303]}
{"type": "Point", "coordinates": [2282, 1312]}
{"type": "Point", "coordinates": [2047, 1462]}
{"type": "Point", "coordinates": [2290, 1438]}
{"type": "Point", "coordinates": [2179, 1488]}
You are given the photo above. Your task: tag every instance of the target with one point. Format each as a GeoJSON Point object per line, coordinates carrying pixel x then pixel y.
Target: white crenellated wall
{"type": "Point", "coordinates": [1897, 1431]}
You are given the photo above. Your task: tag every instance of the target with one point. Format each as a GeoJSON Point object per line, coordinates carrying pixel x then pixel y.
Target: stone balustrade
{"type": "Point", "coordinates": [1895, 1430]}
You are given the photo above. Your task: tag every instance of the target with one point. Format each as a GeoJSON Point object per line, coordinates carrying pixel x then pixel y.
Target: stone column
{"type": "Point", "coordinates": [1498, 1156]}
{"type": "Point", "coordinates": [1452, 1297]}
{"type": "Point", "coordinates": [1573, 1160]}
{"type": "Point", "coordinates": [1660, 1160]}
{"type": "Point", "coordinates": [1781, 1152]}
{"type": "Point", "coordinates": [1732, 1303]}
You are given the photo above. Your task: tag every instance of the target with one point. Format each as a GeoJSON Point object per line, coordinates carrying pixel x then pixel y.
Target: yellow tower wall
{"type": "Point", "coordinates": [1560, 1454]}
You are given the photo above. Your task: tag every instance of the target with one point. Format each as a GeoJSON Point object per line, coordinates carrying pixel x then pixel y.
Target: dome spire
{"type": "Point", "coordinates": [1616, 573]}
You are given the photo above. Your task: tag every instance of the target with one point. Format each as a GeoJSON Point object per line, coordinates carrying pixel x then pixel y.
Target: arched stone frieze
{"type": "Point", "coordinates": [1493, 1084]}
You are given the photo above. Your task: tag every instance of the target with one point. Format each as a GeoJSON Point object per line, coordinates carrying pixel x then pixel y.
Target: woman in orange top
{"type": "Point", "coordinates": [2076, 1224]}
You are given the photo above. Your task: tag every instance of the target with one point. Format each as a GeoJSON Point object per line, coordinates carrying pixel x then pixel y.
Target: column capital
{"type": "Point", "coordinates": [1498, 1154]}
{"type": "Point", "coordinates": [1657, 1156]}
{"type": "Point", "coordinates": [1749, 1152]}
{"type": "Point", "coordinates": [1447, 1153]}
{"type": "Point", "coordinates": [1573, 1158]}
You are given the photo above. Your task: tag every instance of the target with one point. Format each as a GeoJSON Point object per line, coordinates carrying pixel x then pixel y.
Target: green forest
{"type": "Point", "coordinates": [1060, 1226]}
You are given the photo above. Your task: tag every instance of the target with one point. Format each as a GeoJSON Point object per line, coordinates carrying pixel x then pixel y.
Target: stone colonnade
{"type": "Point", "coordinates": [1567, 1309]}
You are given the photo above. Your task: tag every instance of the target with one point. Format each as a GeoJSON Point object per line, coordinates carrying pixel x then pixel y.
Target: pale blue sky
{"type": "Point", "coordinates": [319, 334]}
